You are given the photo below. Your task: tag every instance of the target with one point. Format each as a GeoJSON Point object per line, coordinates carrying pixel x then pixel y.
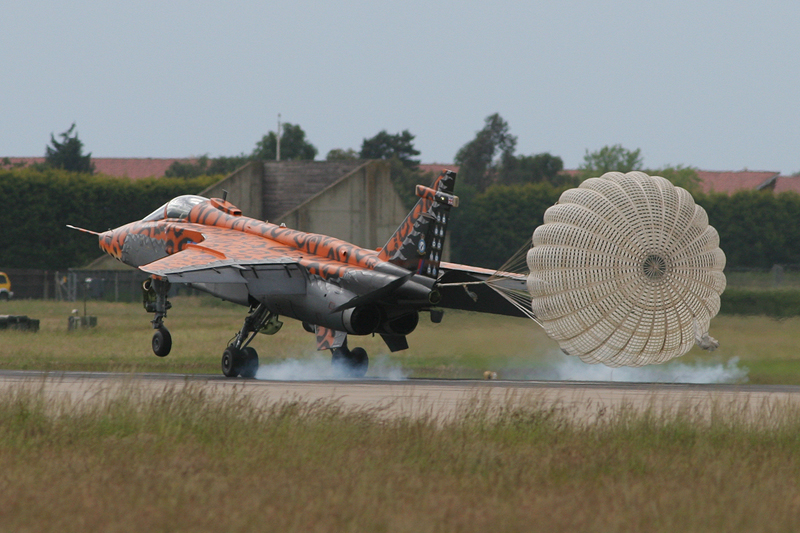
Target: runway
{"type": "Point", "coordinates": [440, 399]}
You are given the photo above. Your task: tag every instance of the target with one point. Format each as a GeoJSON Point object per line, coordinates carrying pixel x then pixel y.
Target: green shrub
{"type": "Point", "coordinates": [777, 303]}
{"type": "Point", "coordinates": [38, 204]}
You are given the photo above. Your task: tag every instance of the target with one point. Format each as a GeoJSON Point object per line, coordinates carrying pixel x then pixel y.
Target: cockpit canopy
{"type": "Point", "coordinates": [176, 208]}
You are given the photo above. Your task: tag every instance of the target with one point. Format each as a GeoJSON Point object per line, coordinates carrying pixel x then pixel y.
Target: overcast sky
{"type": "Point", "coordinates": [711, 84]}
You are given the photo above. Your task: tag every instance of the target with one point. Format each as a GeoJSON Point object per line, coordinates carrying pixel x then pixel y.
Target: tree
{"type": "Point", "coordinates": [494, 225]}
{"type": "Point", "coordinates": [181, 169]}
{"type": "Point", "coordinates": [206, 166]}
{"type": "Point", "coordinates": [226, 164]}
{"type": "Point", "coordinates": [680, 176]}
{"type": "Point", "coordinates": [340, 154]}
{"type": "Point", "coordinates": [387, 146]}
{"type": "Point", "coordinates": [532, 169]}
{"type": "Point", "coordinates": [68, 154]}
{"type": "Point", "coordinates": [610, 159]}
{"type": "Point", "coordinates": [477, 157]}
{"type": "Point", "coordinates": [294, 146]}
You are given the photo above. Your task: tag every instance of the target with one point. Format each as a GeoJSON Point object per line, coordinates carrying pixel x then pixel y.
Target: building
{"type": "Point", "coordinates": [131, 167]}
{"type": "Point", "coordinates": [351, 200]}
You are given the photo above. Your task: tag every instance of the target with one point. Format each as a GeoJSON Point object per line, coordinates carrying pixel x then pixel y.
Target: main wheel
{"type": "Point", "coordinates": [249, 363]}
{"type": "Point", "coordinates": [162, 342]}
{"type": "Point", "coordinates": [359, 362]}
{"type": "Point", "coordinates": [351, 364]}
{"type": "Point", "coordinates": [232, 359]}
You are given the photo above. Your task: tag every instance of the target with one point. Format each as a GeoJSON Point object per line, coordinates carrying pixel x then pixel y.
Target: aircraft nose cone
{"type": "Point", "coordinates": [111, 242]}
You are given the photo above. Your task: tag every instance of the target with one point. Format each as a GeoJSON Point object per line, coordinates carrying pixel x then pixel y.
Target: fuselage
{"type": "Point", "coordinates": [315, 278]}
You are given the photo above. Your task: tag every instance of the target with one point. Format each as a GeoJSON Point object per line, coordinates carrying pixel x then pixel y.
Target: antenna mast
{"type": "Point", "coordinates": [278, 148]}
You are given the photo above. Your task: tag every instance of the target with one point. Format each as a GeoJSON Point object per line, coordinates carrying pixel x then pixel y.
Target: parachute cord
{"type": "Point", "coordinates": [519, 299]}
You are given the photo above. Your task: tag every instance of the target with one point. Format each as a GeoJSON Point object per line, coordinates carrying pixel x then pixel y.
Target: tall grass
{"type": "Point", "coordinates": [182, 460]}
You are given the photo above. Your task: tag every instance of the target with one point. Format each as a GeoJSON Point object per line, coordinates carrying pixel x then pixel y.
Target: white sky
{"type": "Point", "coordinates": [712, 84]}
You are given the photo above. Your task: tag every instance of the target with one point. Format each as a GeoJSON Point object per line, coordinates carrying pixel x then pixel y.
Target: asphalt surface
{"type": "Point", "coordinates": [23, 375]}
{"type": "Point", "coordinates": [441, 399]}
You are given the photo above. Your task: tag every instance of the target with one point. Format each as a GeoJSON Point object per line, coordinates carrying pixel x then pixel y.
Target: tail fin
{"type": "Point", "coordinates": [418, 243]}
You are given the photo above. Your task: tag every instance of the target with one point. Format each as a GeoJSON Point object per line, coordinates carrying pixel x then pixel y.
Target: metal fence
{"type": "Point", "coordinates": [72, 285]}
{"type": "Point", "coordinates": [109, 285]}
{"type": "Point", "coordinates": [777, 277]}
{"type": "Point", "coordinates": [36, 284]}
{"type": "Point", "coordinates": [125, 285]}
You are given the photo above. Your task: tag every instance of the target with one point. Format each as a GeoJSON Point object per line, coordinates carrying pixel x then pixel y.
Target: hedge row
{"type": "Point", "coordinates": [757, 229]}
{"type": "Point", "coordinates": [776, 303]}
{"type": "Point", "coordinates": [39, 204]}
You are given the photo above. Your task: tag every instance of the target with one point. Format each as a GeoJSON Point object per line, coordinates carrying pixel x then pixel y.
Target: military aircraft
{"type": "Point", "coordinates": [333, 287]}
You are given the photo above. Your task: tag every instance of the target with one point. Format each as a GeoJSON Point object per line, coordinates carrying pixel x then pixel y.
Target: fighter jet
{"type": "Point", "coordinates": [333, 287]}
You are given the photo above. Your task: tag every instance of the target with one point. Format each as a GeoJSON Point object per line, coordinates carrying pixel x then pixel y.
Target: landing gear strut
{"type": "Point", "coordinates": [154, 299]}
{"type": "Point", "coordinates": [239, 359]}
{"type": "Point", "coordinates": [349, 363]}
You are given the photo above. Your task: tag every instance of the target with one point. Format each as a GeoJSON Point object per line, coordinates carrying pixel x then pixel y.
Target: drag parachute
{"type": "Point", "coordinates": [626, 271]}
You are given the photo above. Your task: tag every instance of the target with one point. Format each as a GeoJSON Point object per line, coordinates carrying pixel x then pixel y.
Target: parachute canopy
{"type": "Point", "coordinates": [626, 271]}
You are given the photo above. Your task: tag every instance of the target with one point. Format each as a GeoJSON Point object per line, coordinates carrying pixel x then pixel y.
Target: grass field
{"type": "Point", "coordinates": [464, 345]}
{"type": "Point", "coordinates": [182, 461]}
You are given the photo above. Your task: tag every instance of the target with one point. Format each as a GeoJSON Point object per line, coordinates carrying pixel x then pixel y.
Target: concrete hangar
{"type": "Point", "coordinates": [351, 200]}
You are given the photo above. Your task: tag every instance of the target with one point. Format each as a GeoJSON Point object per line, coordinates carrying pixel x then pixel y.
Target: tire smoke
{"type": "Point", "coordinates": [562, 367]}
{"type": "Point", "coordinates": [318, 367]}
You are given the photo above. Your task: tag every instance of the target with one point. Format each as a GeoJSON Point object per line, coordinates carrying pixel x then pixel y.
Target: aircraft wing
{"type": "Point", "coordinates": [464, 287]}
{"type": "Point", "coordinates": [221, 257]}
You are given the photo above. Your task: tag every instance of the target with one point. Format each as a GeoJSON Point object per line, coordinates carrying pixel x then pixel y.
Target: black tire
{"type": "Point", "coordinates": [231, 361]}
{"type": "Point", "coordinates": [338, 355]}
{"type": "Point", "coordinates": [4, 296]}
{"type": "Point", "coordinates": [350, 364]}
{"type": "Point", "coordinates": [249, 362]}
{"type": "Point", "coordinates": [359, 362]}
{"type": "Point", "coordinates": [162, 342]}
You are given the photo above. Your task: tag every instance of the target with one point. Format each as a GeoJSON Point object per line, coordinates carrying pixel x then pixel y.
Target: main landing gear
{"type": "Point", "coordinates": [239, 359]}
{"type": "Point", "coordinates": [349, 363]}
{"type": "Point", "coordinates": [345, 362]}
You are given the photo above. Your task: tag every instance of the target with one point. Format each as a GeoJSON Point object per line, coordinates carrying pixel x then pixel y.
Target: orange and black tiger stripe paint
{"type": "Point", "coordinates": [321, 255]}
{"type": "Point", "coordinates": [443, 183]}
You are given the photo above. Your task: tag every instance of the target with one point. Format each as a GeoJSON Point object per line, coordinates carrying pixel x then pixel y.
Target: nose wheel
{"type": "Point", "coordinates": [162, 341]}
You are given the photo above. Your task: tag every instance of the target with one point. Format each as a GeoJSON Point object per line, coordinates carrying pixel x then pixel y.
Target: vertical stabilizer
{"type": "Point", "coordinates": [418, 243]}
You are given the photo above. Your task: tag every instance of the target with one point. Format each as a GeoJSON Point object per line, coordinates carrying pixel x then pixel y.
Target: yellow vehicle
{"type": "Point", "coordinates": [5, 287]}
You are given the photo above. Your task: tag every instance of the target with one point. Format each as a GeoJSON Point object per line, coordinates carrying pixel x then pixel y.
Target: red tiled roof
{"type": "Point", "coordinates": [787, 183]}
{"type": "Point", "coordinates": [716, 181]}
{"type": "Point", "coordinates": [437, 168]}
{"type": "Point", "coordinates": [134, 168]}
{"type": "Point", "coordinates": [731, 181]}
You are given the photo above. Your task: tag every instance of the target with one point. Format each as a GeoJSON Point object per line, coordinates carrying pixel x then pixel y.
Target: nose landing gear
{"type": "Point", "coordinates": [154, 299]}
{"type": "Point", "coordinates": [162, 341]}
